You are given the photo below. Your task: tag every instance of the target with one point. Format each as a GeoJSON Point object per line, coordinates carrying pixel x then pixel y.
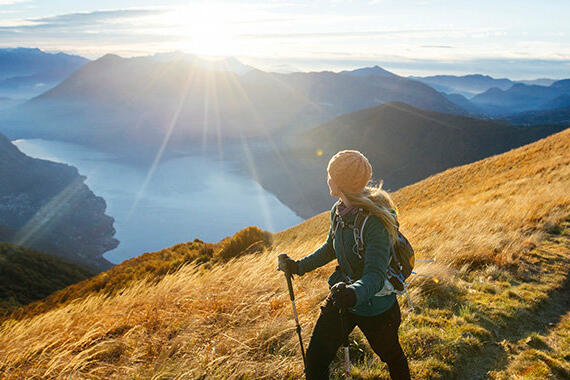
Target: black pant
{"type": "Point", "coordinates": [380, 330]}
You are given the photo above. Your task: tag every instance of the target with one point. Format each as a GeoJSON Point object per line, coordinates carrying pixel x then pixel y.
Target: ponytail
{"type": "Point", "coordinates": [378, 202]}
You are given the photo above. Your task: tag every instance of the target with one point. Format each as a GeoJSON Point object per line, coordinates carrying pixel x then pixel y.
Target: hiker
{"type": "Point", "coordinates": [355, 282]}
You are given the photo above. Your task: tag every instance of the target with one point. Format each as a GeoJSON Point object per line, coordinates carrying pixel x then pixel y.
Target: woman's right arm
{"type": "Point", "coordinates": [323, 255]}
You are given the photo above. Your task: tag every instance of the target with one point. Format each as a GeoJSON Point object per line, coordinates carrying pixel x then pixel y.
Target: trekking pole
{"type": "Point", "coordinates": [345, 344]}
{"type": "Point", "coordinates": [292, 296]}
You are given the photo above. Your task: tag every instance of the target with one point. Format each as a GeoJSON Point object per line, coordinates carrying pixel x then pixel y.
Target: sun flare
{"type": "Point", "coordinates": [203, 29]}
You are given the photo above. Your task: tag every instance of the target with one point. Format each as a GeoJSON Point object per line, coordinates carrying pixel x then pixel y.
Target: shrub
{"type": "Point", "coordinates": [249, 240]}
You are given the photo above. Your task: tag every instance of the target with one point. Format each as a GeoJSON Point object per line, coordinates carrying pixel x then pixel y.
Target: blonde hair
{"type": "Point", "coordinates": [378, 202]}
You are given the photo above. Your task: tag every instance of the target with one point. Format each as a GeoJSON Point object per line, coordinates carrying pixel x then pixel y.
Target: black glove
{"type": "Point", "coordinates": [287, 264]}
{"type": "Point", "coordinates": [343, 297]}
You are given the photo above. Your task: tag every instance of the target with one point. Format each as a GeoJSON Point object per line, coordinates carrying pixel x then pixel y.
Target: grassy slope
{"type": "Point", "coordinates": [27, 275]}
{"type": "Point", "coordinates": [498, 227]}
{"type": "Point", "coordinates": [151, 266]}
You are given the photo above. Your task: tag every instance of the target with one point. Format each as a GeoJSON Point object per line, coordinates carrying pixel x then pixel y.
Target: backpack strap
{"type": "Point", "coordinates": [335, 222]}
{"type": "Point", "coordinates": [358, 232]}
{"type": "Point", "coordinates": [359, 224]}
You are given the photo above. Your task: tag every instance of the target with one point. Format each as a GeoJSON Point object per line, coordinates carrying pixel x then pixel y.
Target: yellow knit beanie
{"type": "Point", "coordinates": [350, 170]}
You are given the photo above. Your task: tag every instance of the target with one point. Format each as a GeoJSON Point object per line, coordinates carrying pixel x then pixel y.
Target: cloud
{"type": "Point", "coordinates": [369, 33]}
{"type": "Point", "coordinates": [89, 18]}
{"type": "Point", "coordinates": [73, 20]}
{"type": "Point", "coordinates": [11, 2]}
{"type": "Point", "coordinates": [437, 46]}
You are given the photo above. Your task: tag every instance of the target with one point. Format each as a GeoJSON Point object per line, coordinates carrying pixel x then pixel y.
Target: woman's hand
{"type": "Point", "coordinates": [287, 264]}
{"type": "Point", "coordinates": [343, 296]}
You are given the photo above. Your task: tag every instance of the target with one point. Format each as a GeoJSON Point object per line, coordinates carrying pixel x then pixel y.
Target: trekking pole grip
{"type": "Point", "coordinates": [290, 286]}
{"type": "Point", "coordinates": [288, 277]}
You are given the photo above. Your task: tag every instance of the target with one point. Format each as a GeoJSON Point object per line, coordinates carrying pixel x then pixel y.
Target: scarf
{"type": "Point", "coordinates": [342, 209]}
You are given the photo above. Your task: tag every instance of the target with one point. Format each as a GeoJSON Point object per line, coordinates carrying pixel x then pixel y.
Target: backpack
{"type": "Point", "coordinates": [402, 257]}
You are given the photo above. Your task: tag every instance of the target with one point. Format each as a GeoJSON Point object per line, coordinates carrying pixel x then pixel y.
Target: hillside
{"type": "Point", "coordinates": [559, 116]}
{"type": "Point", "coordinates": [27, 275]}
{"type": "Point", "coordinates": [563, 101]}
{"type": "Point", "coordinates": [47, 206]}
{"type": "Point", "coordinates": [500, 229]}
{"type": "Point", "coordinates": [403, 143]}
{"type": "Point", "coordinates": [150, 266]}
{"type": "Point", "coordinates": [464, 103]}
{"type": "Point", "coordinates": [132, 104]}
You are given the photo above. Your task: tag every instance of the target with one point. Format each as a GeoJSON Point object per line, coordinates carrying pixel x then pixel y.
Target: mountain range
{"type": "Point", "coordinates": [473, 84]}
{"type": "Point", "coordinates": [27, 72]}
{"type": "Point", "coordinates": [121, 103]}
{"type": "Point", "coordinates": [466, 85]}
{"type": "Point", "coordinates": [116, 102]}
{"type": "Point", "coordinates": [521, 97]}
{"type": "Point", "coordinates": [47, 207]}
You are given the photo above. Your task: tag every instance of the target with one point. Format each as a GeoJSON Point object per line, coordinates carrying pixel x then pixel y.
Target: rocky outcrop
{"type": "Point", "coordinates": [47, 206]}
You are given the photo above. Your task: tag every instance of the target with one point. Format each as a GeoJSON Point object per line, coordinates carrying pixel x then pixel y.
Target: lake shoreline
{"type": "Point", "coordinates": [184, 195]}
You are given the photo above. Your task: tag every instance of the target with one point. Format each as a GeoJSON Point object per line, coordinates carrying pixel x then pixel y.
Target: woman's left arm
{"type": "Point", "coordinates": [376, 261]}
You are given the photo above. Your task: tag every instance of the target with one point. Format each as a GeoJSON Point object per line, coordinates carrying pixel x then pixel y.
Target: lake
{"type": "Point", "coordinates": [187, 197]}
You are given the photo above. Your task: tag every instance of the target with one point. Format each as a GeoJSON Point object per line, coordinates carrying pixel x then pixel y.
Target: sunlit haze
{"type": "Point", "coordinates": [517, 39]}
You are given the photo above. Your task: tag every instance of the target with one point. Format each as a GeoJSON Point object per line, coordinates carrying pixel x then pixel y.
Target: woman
{"type": "Point", "coordinates": [356, 281]}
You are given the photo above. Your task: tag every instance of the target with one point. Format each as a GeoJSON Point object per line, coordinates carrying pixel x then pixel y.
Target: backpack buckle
{"type": "Point", "coordinates": [356, 251]}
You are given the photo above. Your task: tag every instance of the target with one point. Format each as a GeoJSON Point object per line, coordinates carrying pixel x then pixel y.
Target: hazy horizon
{"type": "Point", "coordinates": [518, 40]}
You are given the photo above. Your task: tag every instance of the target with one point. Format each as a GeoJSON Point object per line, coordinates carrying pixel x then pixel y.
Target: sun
{"type": "Point", "coordinates": [203, 29]}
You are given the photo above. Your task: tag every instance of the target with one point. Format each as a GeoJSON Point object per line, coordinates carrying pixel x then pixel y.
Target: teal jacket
{"type": "Point", "coordinates": [369, 273]}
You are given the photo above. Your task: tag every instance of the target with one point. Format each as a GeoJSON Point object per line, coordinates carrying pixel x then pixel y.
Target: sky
{"type": "Point", "coordinates": [515, 39]}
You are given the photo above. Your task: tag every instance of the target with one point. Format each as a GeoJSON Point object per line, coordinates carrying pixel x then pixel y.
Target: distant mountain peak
{"type": "Point", "coordinates": [36, 52]}
{"type": "Point", "coordinates": [22, 50]}
{"type": "Point", "coordinates": [478, 76]}
{"type": "Point", "coordinates": [371, 71]}
{"type": "Point", "coordinates": [224, 64]}
{"type": "Point", "coordinates": [561, 83]}
{"type": "Point", "coordinates": [110, 56]}
{"type": "Point", "coordinates": [173, 55]}
{"type": "Point", "coordinates": [106, 60]}
{"type": "Point", "coordinates": [496, 90]}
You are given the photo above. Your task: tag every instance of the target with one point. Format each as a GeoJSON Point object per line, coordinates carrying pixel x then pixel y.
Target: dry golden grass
{"type": "Point", "coordinates": [491, 210]}
{"type": "Point", "coordinates": [150, 266]}
{"type": "Point", "coordinates": [234, 320]}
